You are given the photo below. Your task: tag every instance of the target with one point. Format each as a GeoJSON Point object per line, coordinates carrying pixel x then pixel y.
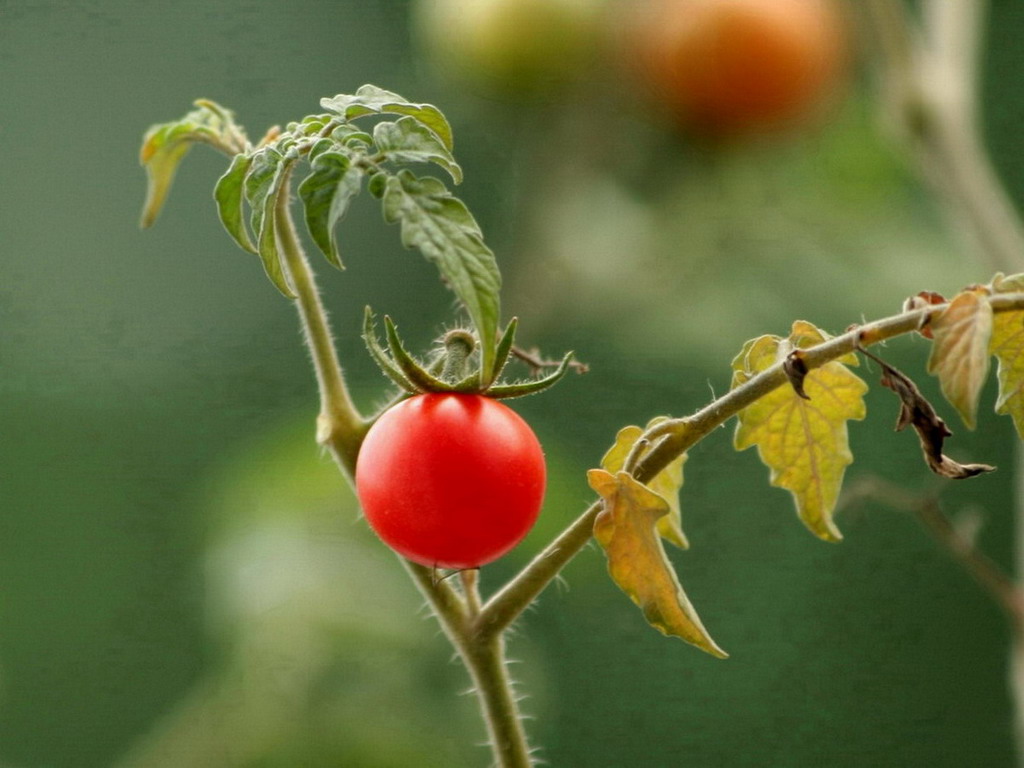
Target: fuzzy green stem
{"type": "Point", "coordinates": [676, 436]}
{"type": "Point", "coordinates": [458, 346]}
{"type": "Point", "coordinates": [470, 578]}
{"type": "Point", "coordinates": [485, 659]}
{"type": "Point", "coordinates": [340, 427]}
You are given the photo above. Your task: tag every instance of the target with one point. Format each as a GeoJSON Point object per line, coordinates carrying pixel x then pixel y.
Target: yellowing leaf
{"type": "Point", "coordinates": [666, 483]}
{"type": "Point", "coordinates": [960, 352]}
{"type": "Point", "coordinates": [1007, 344]}
{"type": "Point", "coordinates": [803, 441]}
{"type": "Point", "coordinates": [165, 145]}
{"type": "Point", "coordinates": [625, 528]}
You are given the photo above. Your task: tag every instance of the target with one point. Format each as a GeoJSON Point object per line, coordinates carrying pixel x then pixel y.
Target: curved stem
{"type": "Point", "coordinates": [340, 427]}
{"type": "Point", "coordinates": [676, 436]}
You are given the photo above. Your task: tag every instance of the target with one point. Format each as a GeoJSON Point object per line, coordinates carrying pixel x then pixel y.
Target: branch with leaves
{"type": "Point", "coordinates": [793, 396]}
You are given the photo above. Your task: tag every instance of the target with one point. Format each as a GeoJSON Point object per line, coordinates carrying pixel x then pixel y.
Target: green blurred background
{"type": "Point", "coordinates": [183, 577]}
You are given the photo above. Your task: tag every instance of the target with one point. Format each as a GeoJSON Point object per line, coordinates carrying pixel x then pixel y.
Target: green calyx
{"type": "Point", "coordinates": [456, 368]}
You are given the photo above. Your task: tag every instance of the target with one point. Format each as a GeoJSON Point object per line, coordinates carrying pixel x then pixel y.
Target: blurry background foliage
{"type": "Point", "coordinates": [184, 580]}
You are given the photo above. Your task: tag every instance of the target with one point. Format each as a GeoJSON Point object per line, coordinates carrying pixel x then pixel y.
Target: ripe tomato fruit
{"type": "Point", "coordinates": [451, 480]}
{"type": "Point", "coordinates": [728, 67]}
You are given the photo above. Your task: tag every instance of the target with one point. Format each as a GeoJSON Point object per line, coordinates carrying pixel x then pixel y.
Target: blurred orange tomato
{"type": "Point", "coordinates": [728, 67]}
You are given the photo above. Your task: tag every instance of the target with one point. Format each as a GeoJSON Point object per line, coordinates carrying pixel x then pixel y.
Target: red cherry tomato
{"type": "Point", "coordinates": [449, 480]}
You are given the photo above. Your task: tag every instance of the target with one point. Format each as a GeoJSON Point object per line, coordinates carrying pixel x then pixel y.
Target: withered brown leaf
{"type": "Point", "coordinates": [916, 411]}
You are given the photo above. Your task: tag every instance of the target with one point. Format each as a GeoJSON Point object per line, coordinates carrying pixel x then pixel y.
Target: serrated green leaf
{"type": "Point", "coordinates": [264, 183]}
{"type": "Point", "coordinates": [804, 442]}
{"type": "Point", "coordinates": [166, 144]}
{"type": "Point", "coordinates": [325, 195]}
{"type": "Point", "coordinates": [960, 350]}
{"type": "Point", "coordinates": [408, 141]}
{"type": "Point", "coordinates": [230, 194]}
{"type": "Point", "coordinates": [371, 100]}
{"type": "Point", "coordinates": [446, 233]}
{"type": "Point", "coordinates": [637, 563]}
{"type": "Point", "coordinates": [1007, 344]}
{"type": "Point", "coordinates": [666, 483]}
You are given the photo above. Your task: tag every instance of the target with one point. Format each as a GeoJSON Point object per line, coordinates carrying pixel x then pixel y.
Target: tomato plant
{"type": "Point", "coordinates": [451, 480]}
{"type": "Point", "coordinates": [727, 67]}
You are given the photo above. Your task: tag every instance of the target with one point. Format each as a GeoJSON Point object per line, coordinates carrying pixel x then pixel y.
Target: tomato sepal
{"type": "Point", "coordinates": [379, 356]}
{"type": "Point", "coordinates": [531, 387]}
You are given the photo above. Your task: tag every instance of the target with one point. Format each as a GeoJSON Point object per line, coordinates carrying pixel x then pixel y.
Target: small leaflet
{"type": "Point", "coordinates": [326, 194]}
{"type": "Point", "coordinates": [371, 100]}
{"type": "Point", "coordinates": [1007, 344]}
{"type": "Point", "coordinates": [230, 197]}
{"type": "Point", "coordinates": [165, 145]}
{"type": "Point", "coordinates": [960, 351]}
{"type": "Point", "coordinates": [666, 483]}
{"type": "Point", "coordinates": [637, 563]}
{"type": "Point", "coordinates": [407, 140]}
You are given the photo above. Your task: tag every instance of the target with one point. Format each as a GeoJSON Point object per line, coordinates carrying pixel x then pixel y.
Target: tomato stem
{"type": "Point", "coordinates": [489, 669]}
{"type": "Point", "coordinates": [483, 655]}
{"type": "Point", "coordinates": [340, 427]}
{"type": "Point", "coordinates": [470, 578]}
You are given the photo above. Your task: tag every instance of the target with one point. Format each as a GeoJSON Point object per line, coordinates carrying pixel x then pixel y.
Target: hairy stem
{"type": "Point", "coordinates": [485, 659]}
{"type": "Point", "coordinates": [340, 427]}
{"type": "Point", "coordinates": [483, 655]}
{"type": "Point", "coordinates": [676, 436]}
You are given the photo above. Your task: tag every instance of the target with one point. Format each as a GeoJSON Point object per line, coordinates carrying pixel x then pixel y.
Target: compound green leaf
{"type": "Point", "coordinates": [371, 100]}
{"type": "Point", "coordinates": [446, 233]}
{"type": "Point", "coordinates": [803, 441]}
{"type": "Point", "coordinates": [627, 530]}
{"type": "Point", "coordinates": [409, 141]}
{"type": "Point", "coordinates": [1007, 344]}
{"type": "Point", "coordinates": [165, 145]}
{"type": "Point", "coordinates": [960, 350]}
{"type": "Point", "coordinates": [666, 483]}
{"type": "Point", "coordinates": [230, 195]}
{"type": "Point", "coordinates": [325, 195]}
